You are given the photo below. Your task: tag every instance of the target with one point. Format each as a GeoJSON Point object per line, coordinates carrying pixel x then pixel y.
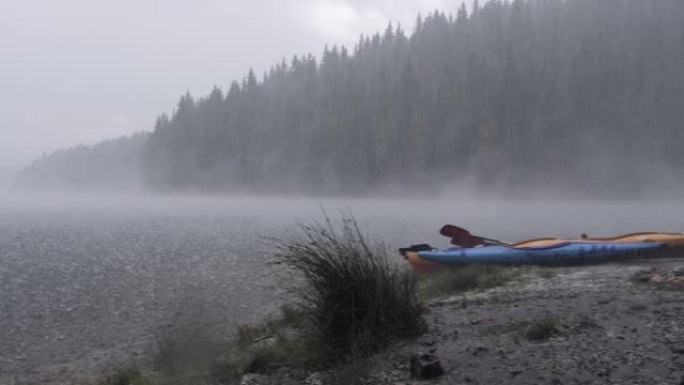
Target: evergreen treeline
{"type": "Point", "coordinates": [583, 94]}
{"type": "Point", "coordinates": [513, 93]}
{"type": "Point", "coordinates": [113, 163]}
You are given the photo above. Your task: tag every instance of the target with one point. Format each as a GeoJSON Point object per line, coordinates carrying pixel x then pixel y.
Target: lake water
{"type": "Point", "coordinates": [87, 281]}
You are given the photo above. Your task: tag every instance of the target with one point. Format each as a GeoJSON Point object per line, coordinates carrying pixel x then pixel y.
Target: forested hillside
{"type": "Point", "coordinates": [113, 163]}
{"type": "Point", "coordinates": [516, 93]}
{"type": "Point", "coordinates": [579, 94]}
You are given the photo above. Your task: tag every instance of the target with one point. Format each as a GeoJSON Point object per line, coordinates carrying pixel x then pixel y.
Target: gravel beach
{"type": "Point", "coordinates": [607, 330]}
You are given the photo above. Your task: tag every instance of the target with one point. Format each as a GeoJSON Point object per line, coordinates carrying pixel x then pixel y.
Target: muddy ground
{"type": "Point", "coordinates": [607, 329]}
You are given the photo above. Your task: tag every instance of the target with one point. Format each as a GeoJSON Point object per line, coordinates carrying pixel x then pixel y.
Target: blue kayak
{"type": "Point", "coordinates": [566, 253]}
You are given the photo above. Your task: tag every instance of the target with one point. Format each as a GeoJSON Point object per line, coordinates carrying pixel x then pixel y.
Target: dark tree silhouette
{"type": "Point", "coordinates": [111, 164]}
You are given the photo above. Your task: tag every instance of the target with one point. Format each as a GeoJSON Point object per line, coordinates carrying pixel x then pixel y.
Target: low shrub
{"type": "Point", "coordinates": [542, 329]}
{"type": "Point", "coordinates": [183, 350]}
{"type": "Point", "coordinates": [265, 347]}
{"type": "Point", "coordinates": [125, 376]}
{"type": "Point", "coordinates": [538, 329]}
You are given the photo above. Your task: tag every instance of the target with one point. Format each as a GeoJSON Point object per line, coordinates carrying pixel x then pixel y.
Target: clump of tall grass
{"type": "Point", "coordinates": [355, 298]}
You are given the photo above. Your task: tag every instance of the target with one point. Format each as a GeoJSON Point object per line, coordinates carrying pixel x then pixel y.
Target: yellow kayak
{"type": "Point", "coordinates": [670, 239]}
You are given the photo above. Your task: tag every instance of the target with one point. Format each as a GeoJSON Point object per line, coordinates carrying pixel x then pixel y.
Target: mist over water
{"type": "Point", "coordinates": [505, 218]}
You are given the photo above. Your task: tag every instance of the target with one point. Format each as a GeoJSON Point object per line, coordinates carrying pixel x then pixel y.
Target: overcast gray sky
{"type": "Point", "coordinates": [78, 71]}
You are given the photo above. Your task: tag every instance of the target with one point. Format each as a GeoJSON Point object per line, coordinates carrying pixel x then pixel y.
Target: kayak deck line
{"type": "Point", "coordinates": [567, 253]}
{"type": "Point", "coordinates": [671, 239]}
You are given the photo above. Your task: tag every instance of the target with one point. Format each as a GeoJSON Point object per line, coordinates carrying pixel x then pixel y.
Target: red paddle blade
{"type": "Point", "coordinates": [454, 231]}
{"type": "Point", "coordinates": [467, 241]}
{"type": "Point", "coordinates": [460, 237]}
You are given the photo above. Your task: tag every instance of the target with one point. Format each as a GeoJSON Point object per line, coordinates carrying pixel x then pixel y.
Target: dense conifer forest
{"type": "Point", "coordinates": [508, 95]}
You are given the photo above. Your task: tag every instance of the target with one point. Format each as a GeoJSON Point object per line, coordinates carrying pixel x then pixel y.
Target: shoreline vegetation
{"type": "Point", "coordinates": [357, 317]}
{"type": "Point", "coordinates": [351, 301]}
